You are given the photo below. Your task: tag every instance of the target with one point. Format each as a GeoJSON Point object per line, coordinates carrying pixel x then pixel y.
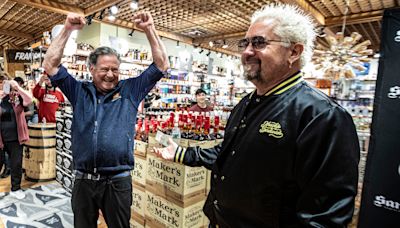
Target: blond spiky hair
{"type": "Point", "coordinates": [292, 25]}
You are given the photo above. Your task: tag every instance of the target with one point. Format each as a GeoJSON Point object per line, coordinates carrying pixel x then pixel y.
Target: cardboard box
{"type": "Point", "coordinates": [175, 180]}
{"type": "Point", "coordinates": [136, 222]}
{"type": "Point", "coordinates": [161, 212]}
{"type": "Point", "coordinates": [138, 202]}
{"type": "Point", "coordinates": [139, 172]}
{"type": "Point", "coordinates": [202, 144]}
{"type": "Point", "coordinates": [208, 182]}
{"type": "Point", "coordinates": [140, 148]}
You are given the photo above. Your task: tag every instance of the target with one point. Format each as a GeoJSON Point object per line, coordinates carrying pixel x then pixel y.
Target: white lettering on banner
{"type": "Point", "coordinates": [394, 92]}
{"type": "Point", "coordinates": [381, 201]}
{"type": "Point", "coordinates": [23, 56]}
{"type": "Point", "coordinates": [399, 169]}
{"type": "Point", "coordinates": [397, 37]}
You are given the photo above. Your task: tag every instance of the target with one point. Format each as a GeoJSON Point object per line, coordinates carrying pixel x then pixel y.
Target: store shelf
{"type": "Point", "coordinates": [136, 61]}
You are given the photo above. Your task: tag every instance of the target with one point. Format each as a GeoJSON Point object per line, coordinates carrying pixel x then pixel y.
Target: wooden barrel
{"type": "Point", "coordinates": [40, 155]}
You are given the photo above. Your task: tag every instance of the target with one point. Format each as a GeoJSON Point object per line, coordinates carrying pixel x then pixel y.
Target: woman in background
{"type": "Point", "coordinates": [13, 129]}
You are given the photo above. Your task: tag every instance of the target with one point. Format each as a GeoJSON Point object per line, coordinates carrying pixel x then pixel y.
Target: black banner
{"type": "Point", "coordinates": [23, 56]}
{"type": "Point", "coordinates": [380, 203]}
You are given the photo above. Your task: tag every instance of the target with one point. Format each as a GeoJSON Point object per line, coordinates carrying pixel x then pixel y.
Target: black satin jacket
{"type": "Point", "coordinates": [288, 159]}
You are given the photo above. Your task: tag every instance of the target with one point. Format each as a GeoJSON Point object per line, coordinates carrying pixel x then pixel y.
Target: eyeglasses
{"type": "Point", "coordinates": [115, 71]}
{"type": "Point", "coordinates": [257, 42]}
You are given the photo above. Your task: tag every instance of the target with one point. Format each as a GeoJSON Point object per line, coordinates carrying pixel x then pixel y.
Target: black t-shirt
{"type": "Point", "coordinates": [8, 122]}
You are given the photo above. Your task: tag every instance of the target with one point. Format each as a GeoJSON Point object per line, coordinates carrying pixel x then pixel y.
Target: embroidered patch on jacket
{"type": "Point", "coordinates": [272, 128]}
{"type": "Point", "coordinates": [116, 96]}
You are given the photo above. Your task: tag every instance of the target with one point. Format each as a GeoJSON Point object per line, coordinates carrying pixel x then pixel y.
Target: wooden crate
{"type": "Point", "coordinates": [175, 180]}
{"type": "Point", "coordinates": [140, 171]}
{"type": "Point", "coordinates": [138, 201]}
{"type": "Point", "coordinates": [161, 212]}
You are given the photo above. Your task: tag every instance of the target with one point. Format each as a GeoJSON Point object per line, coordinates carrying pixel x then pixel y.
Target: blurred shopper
{"type": "Point", "coordinates": [49, 99]}
{"type": "Point", "coordinates": [201, 105]}
{"type": "Point", "coordinates": [13, 129]}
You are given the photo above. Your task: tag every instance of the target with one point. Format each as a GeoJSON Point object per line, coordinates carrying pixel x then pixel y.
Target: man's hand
{"type": "Point", "coordinates": [167, 153]}
{"type": "Point", "coordinates": [143, 20]}
{"type": "Point", "coordinates": [74, 22]}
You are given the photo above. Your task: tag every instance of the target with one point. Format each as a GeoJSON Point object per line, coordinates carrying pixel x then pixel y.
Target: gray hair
{"type": "Point", "coordinates": [292, 25]}
{"type": "Point", "coordinates": [100, 51]}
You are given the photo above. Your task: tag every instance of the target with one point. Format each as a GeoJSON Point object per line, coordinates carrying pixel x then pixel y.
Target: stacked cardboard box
{"type": "Point", "coordinates": [175, 193]}
{"type": "Point", "coordinates": [167, 194]}
{"type": "Point", "coordinates": [138, 185]}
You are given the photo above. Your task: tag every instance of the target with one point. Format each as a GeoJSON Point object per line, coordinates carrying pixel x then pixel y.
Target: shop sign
{"type": "Point", "coordinates": [24, 56]}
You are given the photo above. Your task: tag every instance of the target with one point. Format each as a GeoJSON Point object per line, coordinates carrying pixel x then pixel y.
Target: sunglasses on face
{"type": "Point", "coordinates": [257, 42]}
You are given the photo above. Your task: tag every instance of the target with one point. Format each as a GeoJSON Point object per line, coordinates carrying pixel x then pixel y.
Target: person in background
{"type": "Point", "coordinates": [103, 124]}
{"type": "Point", "coordinates": [29, 111]}
{"type": "Point", "coordinates": [290, 154]}
{"type": "Point", "coordinates": [13, 129]}
{"type": "Point", "coordinates": [201, 105]}
{"type": "Point", "coordinates": [33, 108]}
{"type": "Point", "coordinates": [49, 99]}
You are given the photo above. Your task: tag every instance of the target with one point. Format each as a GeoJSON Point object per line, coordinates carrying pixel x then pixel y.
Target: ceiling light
{"type": "Point", "coordinates": [134, 5]}
{"type": "Point", "coordinates": [211, 44]}
{"type": "Point", "coordinates": [111, 18]}
{"type": "Point", "coordinates": [114, 9]}
{"type": "Point", "coordinates": [343, 54]}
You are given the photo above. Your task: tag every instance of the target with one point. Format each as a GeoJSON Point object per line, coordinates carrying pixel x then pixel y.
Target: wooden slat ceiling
{"type": "Point", "coordinates": [191, 21]}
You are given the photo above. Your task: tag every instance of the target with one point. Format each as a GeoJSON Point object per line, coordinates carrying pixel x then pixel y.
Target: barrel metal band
{"type": "Point", "coordinates": [42, 128]}
{"type": "Point", "coordinates": [41, 147]}
{"type": "Point", "coordinates": [42, 137]}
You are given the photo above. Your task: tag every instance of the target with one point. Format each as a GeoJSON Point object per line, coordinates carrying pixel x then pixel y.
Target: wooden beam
{"type": "Point", "coordinates": [356, 18]}
{"type": "Point", "coordinates": [12, 46]}
{"type": "Point", "coordinates": [307, 7]}
{"type": "Point", "coordinates": [219, 37]}
{"type": "Point", "coordinates": [51, 6]}
{"type": "Point", "coordinates": [100, 5]}
{"type": "Point", "coordinates": [15, 34]}
{"type": "Point", "coordinates": [131, 25]}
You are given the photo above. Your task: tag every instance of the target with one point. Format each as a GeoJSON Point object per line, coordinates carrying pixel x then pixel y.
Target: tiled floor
{"type": "Point", "coordinates": [5, 186]}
